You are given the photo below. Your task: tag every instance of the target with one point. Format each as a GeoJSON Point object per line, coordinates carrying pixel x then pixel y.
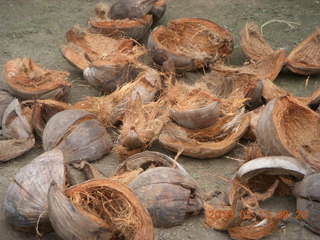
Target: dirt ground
{"type": "Point", "coordinates": [36, 29]}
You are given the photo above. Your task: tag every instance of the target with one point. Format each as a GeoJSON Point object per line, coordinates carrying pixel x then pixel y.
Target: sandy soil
{"type": "Point", "coordinates": [36, 29]}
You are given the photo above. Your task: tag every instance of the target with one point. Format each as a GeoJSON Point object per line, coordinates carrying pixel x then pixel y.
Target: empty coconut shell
{"type": "Point", "coordinates": [253, 45]}
{"type": "Point", "coordinates": [78, 135]}
{"type": "Point", "coordinates": [98, 209]}
{"type": "Point", "coordinates": [191, 43]}
{"type": "Point", "coordinates": [123, 9]}
{"type": "Point", "coordinates": [254, 117]}
{"type": "Point", "coordinates": [158, 10]}
{"type": "Point", "coordinates": [168, 194]}
{"type": "Point", "coordinates": [26, 198]}
{"type": "Point", "coordinates": [28, 80]}
{"type": "Point", "coordinates": [308, 196]}
{"type": "Point", "coordinates": [305, 58]}
{"type": "Point", "coordinates": [5, 99]}
{"type": "Point", "coordinates": [286, 127]}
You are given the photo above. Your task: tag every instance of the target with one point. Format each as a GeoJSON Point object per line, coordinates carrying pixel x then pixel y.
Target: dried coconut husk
{"type": "Point", "coordinates": [78, 135]}
{"type": "Point", "coordinates": [251, 151]}
{"type": "Point", "coordinates": [312, 101]}
{"type": "Point", "coordinates": [286, 127]}
{"type": "Point", "coordinates": [158, 10]}
{"type": "Point", "coordinates": [168, 194]}
{"type": "Point", "coordinates": [98, 209]}
{"type": "Point", "coordinates": [84, 49]}
{"type": "Point", "coordinates": [191, 43]}
{"type": "Point", "coordinates": [305, 58]}
{"type": "Point", "coordinates": [29, 80]}
{"type": "Point", "coordinates": [271, 91]}
{"type": "Point", "coordinates": [142, 124]}
{"type": "Point", "coordinates": [266, 68]}
{"type": "Point", "coordinates": [130, 28]}
{"type": "Point", "coordinates": [26, 201]}
{"type": "Point", "coordinates": [253, 45]}
{"type": "Point", "coordinates": [5, 99]}
{"type": "Point", "coordinates": [111, 108]}
{"type": "Point", "coordinates": [133, 9]}
{"type": "Point", "coordinates": [254, 117]}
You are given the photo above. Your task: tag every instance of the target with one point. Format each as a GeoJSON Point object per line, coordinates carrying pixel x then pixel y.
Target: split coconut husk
{"type": "Point", "coordinates": [78, 135]}
{"type": "Point", "coordinates": [26, 199]}
{"type": "Point", "coordinates": [251, 134]}
{"type": "Point", "coordinates": [168, 194]}
{"type": "Point", "coordinates": [308, 205]}
{"type": "Point", "coordinates": [89, 170]}
{"type": "Point", "coordinates": [130, 28]}
{"type": "Point", "coordinates": [5, 100]}
{"type": "Point", "coordinates": [133, 9]}
{"type": "Point", "coordinates": [286, 127]}
{"type": "Point", "coordinates": [98, 209]}
{"type": "Point", "coordinates": [191, 43]}
{"type": "Point", "coordinates": [17, 129]}
{"type": "Point", "coordinates": [29, 80]}
{"type": "Point", "coordinates": [111, 108]}
{"type": "Point", "coordinates": [271, 91]}
{"type": "Point", "coordinates": [305, 58]}
{"type": "Point", "coordinates": [158, 10]}
{"type": "Point", "coordinates": [253, 45]}
{"type": "Point", "coordinates": [266, 68]}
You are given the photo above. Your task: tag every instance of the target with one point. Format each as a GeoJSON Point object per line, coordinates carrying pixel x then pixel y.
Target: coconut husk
{"type": "Point", "coordinates": [312, 101]}
{"type": "Point", "coordinates": [286, 127]}
{"type": "Point", "coordinates": [158, 10]}
{"type": "Point", "coordinates": [13, 148]}
{"type": "Point", "coordinates": [111, 108]}
{"type": "Point", "coordinates": [99, 208]}
{"type": "Point", "coordinates": [84, 49]}
{"type": "Point", "coordinates": [89, 170]}
{"type": "Point", "coordinates": [266, 68]}
{"type": "Point", "coordinates": [123, 9]}
{"type": "Point", "coordinates": [254, 117]}
{"type": "Point", "coordinates": [253, 45]}
{"type": "Point", "coordinates": [29, 80]}
{"type": "Point", "coordinates": [130, 28]}
{"type": "Point", "coordinates": [271, 91]}
{"type": "Point", "coordinates": [191, 43]}
{"type": "Point", "coordinates": [252, 151]}
{"type": "Point", "coordinates": [127, 177]}
{"type": "Point", "coordinates": [5, 99]}
{"type": "Point", "coordinates": [305, 58]}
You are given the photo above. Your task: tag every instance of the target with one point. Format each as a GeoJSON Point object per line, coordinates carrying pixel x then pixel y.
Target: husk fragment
{"type": "Point", "coordinates": [5, 99]}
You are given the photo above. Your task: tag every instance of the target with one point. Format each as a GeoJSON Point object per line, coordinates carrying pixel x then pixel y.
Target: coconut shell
{"type": "Point", "coordinates": [5, 99]}
{"type": "Point", "coordinates": [123, 9]}
{"type": "Point", "coordinates": [78, 135]}
{"type": "Point", "coordinates": [168, 194]}
{"type": "Point", "coordinates": [191, 43]}
{"type": "Point", "coordinates": [13, 148]}
{"type": "Point", "coordinates": [253, 45]}
{"type": "Point", "coordinates": [286, 127]}
{"type": "Point", "coordinates": [158, 10]}
{"type": "Point", "coordinates": [81, 212]}
{"type": "Point", "coordinates": [254, 117]}
{"type": "Point", "coordinates": [305, 58]}
{"type": "Point", "coordinates": [130, 28]}
{"type": "Point", "coordinates": [28, 80]}
{"type": "Point", "coordinates": [26, 201]}
{"type": "Point", "coordinates": [271, 91]}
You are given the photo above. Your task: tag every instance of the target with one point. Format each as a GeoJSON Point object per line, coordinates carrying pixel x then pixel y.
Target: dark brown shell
{"type": "Point", "coordinates": [199, 42]}
{"type": "Point", "coordinates": [131, 28]}
{"type": "Point", "coordinates": [29, 80]}
{"type": "Point", "coordinates": [80, 213]}
{"type": "Point", "coordinates": [5, 99]}
{"type": "Point", "coordinates": [26, 199]}
{"type": "Point", "coordinates": [78, 135]}
{"type": "Point", "coordinates": [168, 194]}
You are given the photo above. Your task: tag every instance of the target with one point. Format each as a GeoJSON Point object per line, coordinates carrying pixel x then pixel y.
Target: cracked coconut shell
{"type": "Point", "coordinates": [78, 135]}
{"type": "Point", "coordinates": [305, 58]}
{"type": "Point", "coordinates": [28, 80]}
{"type": "Point", "coordinates": [98, 209]}
{"type": "Point", "coordinates": [287, 127]}
{"type": "Point", "coordinates": [168, 194]}
{"type": "Point", "coordinates": [26, 200]}
{"type": "Point", "coordinates": [5, 100]}
{"type": "Point", "coordinates": [191, 43]}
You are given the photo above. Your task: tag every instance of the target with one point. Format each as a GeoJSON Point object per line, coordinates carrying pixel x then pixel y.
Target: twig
{"type": "Point", "coordinates": [279, 21]}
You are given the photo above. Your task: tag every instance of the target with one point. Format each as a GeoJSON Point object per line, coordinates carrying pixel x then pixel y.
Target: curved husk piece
{"type": "Point", "coordinates": [251, 134]}
{"type": "Point", "coordinates": [13, 148]}
{"type": "Point", "coordinates": [28, 80]}
{"type": "Point", "coordinates": [158, 10]}
{"type": "Point", "coordinates": [168, 194]}
{"type": "Point", "coordinates": [191, 43]}
{"type": "Point", "coordinates": [106, 77]}
{"type": "Point", "coordinates": [209, 142]}
{"type": "Point", "coordinates": [266, 68]}
{"type": "Point", "coordinates": [305, 58]}
{"type": "Point", "coordinates": [134, 9]}
{"type": "Point", "coordinates": [271, 91]}
{"type": "Point", "coordinates": [131, 28]}
{"type": "Point", "coordinates": [5, 99]}
{"type": "Point", "coordinates": [107, 208]}
{"type": "Point", "coordinates": [84, 49]}
{"type": "Point", "coordinates": [26, 199]}
{"type": "Point", "coordinates": [111, 108]}
{"type": "Point", "coordinates": [286, 127]}
{"type": "Point", "coordinates": [78, 134]}
{"type": "Point", "coordinates": [253, 45]}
